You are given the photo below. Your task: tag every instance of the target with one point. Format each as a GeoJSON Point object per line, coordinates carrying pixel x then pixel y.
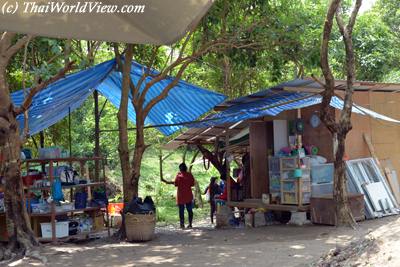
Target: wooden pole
{"type": "Point", "coordinates": [41, 134]}
{"type": "Point", "coordinates": [96, 135]}
{"type": "Point", "coordinates": [53, 205]}
{"type": "Point", "coordinates": [228, 180]}
{"type": "Point", "coordinates": [69, 132]}
{"type": "Point", "coordinates": [103, 162]}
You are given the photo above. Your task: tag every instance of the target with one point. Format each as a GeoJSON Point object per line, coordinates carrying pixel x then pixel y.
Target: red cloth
{"type": "Point", "coordinates": [224, 195]}
{"type": "Point", "coordinates": [184, 182]}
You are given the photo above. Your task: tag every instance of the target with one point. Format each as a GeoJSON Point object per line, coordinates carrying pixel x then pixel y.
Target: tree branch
{"type": "Point", "coordinates": [326, 112]}
{"type": "Point", "coordinates": [117, 56]}
{"type": "Point", "coordinates": [166, 90]}
{"type": "Point", "coordinates": [353, 16]}
{"type": "Point", "coordinates": [28, 100]}
{"type": "Point", "coordinates": [12, 50]}
{"type": "Point", "coordinates": [346, 32]}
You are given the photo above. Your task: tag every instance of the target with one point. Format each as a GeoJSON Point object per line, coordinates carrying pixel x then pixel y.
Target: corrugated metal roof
{"type": "Point", "coordinates": [291, 95]}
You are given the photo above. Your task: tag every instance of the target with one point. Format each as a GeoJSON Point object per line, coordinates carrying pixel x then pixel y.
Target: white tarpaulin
{"type": "Point", "coordinates": [130, 21]}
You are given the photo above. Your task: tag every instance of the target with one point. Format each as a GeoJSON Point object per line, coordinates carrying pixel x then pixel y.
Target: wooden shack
{"type": "Point", "coordinates": [262, 136]}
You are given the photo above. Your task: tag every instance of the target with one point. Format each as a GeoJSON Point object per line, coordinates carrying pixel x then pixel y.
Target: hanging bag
{"type": "Point", "coordinates": [207, 196]}
{"type": "Point", "coordinates": [57, 192]}
{"type": "Point", "coordinates": [69, 177]}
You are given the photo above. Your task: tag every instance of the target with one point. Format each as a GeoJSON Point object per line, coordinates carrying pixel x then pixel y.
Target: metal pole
{"type": "Point", "coordinates": [70, 132]}
{"type": "Point", "coordinates": [96, 135]}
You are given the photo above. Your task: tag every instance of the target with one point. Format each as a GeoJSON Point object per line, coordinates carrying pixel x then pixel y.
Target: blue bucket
{"type": "Point", "coordinates": [297, 173]}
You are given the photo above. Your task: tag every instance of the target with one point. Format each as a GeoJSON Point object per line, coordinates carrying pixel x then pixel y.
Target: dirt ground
{"type": "Point", "coordinates": [277, 245]}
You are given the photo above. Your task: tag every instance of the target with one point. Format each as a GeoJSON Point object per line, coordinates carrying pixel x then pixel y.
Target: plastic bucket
{"type": "Point", "coordinates": [115, 208]}
{"type": "Point", "coordinates": [297, 173]}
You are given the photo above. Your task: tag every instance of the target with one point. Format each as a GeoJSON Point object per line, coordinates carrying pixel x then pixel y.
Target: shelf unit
{"type": "Point", "coordinates": [294, 191]}
{"type": "Point", "coordinates": [37, 218]}
{"type": "Point", "coordinates": [274, 176]}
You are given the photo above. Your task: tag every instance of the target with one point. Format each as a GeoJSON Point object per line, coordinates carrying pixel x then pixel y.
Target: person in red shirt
{"type": "Point", "coordinates": [184, 197]}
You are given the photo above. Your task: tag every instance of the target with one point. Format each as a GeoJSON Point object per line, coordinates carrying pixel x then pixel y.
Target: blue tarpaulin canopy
{"type": "Point", "coordinates": [272, 101]}
{"type": "Point", "coordinates": [185, 102]}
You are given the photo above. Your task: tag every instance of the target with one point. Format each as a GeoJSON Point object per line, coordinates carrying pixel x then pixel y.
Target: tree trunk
{"type": "Point", "coordinates": [140, 148]}
{"type": "Point", "coordinates": [123, 146]}
{"type": "Point", "coordinates": [18, 226]}
{"type": "Point", "coordinates": [215, 159]}
{"type": "Point", "coordinates": [343, 212]}
{"type": "Point", "coordinates": [339, 129]}
{"type": "Point", "coordinates": [227, 75]}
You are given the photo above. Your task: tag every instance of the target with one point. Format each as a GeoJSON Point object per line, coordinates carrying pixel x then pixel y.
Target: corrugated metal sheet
{"type": "Point", "coordinates": [275, 102]}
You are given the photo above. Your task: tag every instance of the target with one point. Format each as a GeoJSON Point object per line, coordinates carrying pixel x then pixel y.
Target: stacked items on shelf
{"type": "Point", "coordinates": [274, 179]}
{"type": "Point", "coordinates": [295, 181]}
{"type": "Point", "coordinates": [322, 179]}
{"type": "Point", "coordinates": [50, 213]}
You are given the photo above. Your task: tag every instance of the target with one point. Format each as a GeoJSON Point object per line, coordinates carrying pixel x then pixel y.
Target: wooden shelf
{"type": "Point", "coordinates": [273, 207]}
{"type": "Point", "coordinates": [37, 218]}
{"type": "Point", "coordinates": [65, 212]}
{"type": "Point", "coordinates": [67, 186]}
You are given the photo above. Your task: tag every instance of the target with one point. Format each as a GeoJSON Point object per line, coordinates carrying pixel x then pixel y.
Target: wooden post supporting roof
{"type": "Point", "coordinates": [228, 167]}
{"type": "Point", "coordinates": [260, 136]}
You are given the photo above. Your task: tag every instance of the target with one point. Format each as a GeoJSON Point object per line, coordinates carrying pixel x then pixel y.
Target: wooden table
{"type": "Point", "coordinates": [257, 203]}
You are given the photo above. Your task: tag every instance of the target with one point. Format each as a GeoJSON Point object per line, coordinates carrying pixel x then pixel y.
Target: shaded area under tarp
{"type": "Point", "coordinates": [185, 102]}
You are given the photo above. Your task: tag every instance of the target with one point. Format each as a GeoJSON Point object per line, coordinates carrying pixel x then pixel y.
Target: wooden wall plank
{"type": "Point", "coordinates": [260, 136]}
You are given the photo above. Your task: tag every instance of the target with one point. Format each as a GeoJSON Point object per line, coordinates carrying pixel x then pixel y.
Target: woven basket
{"type": "Point", "coordinates": [140, 227]}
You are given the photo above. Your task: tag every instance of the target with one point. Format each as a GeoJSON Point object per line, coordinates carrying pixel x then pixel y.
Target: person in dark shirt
{"type": "Point", "coordinates": [213, 190]}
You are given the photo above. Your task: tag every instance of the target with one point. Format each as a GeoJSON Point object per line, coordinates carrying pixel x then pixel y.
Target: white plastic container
{"type": "Point", "coordinates": [61, 229]}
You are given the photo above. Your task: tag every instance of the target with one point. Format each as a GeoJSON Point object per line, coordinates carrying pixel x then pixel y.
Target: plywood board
{"type": "Point", "coordinates": [376, 194]}
{"type": "Point", "coordinates": [280, 135]}
{"type": "Point", "coordinates": [319, 136]}
{"type": "Point", "coordinates": [394, 183]}
{"type": "Point", "coordinates": [259, 138]}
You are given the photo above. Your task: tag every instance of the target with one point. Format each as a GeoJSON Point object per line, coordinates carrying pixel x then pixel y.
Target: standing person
{"type": "Point", "coordinates": [213, 190]}
{"type": "Point", "coordinates": [184, 181]}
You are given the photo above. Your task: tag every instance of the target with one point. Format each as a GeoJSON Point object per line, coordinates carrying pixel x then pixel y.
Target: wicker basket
{"type": "Point", "coordinates": [140, 227]}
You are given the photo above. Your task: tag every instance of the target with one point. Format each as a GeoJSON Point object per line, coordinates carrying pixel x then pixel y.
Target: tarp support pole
{"type": "Point", "coordinates": [69, 132]}
{"type": "Point", "coordinates": [96, 135]}
{"type": "Point", "coordinates": [228, 168]}
{"type": "Point", "coordinates": [41, 144]}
